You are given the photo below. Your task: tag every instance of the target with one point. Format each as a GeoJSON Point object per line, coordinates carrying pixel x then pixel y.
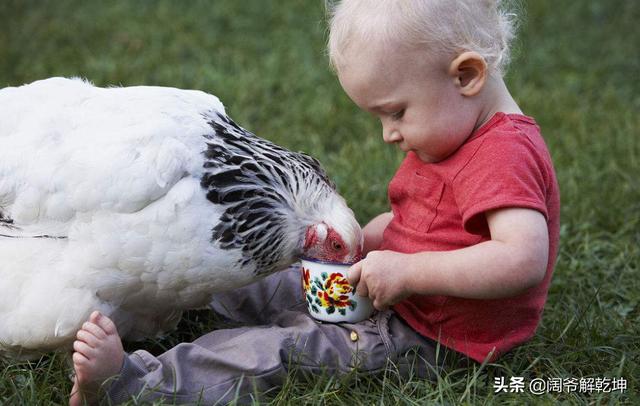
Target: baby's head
{"type": "Point", "coordinates": [447, 27]}
{"type": "Point", "coordinates": [422, 66]}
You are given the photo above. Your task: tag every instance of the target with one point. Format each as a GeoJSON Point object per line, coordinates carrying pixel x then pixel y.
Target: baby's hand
{"type": "Point", "coordinates": [383, 277]}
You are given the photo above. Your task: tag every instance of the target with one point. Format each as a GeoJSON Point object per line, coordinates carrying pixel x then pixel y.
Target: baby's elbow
{"type": "Point", "coordinates": [532, 268]}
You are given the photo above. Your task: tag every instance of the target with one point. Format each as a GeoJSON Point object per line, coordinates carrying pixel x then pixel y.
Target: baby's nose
{"type": "Point", "coordinates": [391, 136]}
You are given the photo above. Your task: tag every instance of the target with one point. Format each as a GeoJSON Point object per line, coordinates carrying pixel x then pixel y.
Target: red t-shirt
{"type": "Point", "coordinates": [440, 207]}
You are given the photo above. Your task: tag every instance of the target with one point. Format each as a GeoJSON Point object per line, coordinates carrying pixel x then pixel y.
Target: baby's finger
{"type": "Point", "coordinates": [353, 274]}
{"type": "Point", "coordinates": [380, 305]}
{"type": "Point", "coordinates": [362, 289]}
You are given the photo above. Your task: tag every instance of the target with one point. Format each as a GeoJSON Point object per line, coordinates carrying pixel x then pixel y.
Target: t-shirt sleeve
{"type": "Point", "coordinates": [505, 171]}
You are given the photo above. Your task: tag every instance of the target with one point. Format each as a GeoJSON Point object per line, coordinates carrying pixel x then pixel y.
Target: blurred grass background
{"type": "Point", "coordinates": [576, 69]}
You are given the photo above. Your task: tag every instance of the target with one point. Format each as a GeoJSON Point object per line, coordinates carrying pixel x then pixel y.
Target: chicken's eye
{"type": "Point", "coordinates": [336, 246]}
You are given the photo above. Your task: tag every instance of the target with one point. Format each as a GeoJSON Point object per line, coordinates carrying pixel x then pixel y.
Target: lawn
{"type": "Point", "coordinates": [576, 69]}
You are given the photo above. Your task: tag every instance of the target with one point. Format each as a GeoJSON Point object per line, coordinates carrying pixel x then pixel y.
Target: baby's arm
{"type": "Point", "coordinates": [514, 260]}
{"type": "Point", "coordinates": [373, 231]}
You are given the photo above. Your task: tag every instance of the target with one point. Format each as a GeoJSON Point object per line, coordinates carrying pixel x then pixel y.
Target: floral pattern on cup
{"type": "Point", "coordinates": [328, 293]}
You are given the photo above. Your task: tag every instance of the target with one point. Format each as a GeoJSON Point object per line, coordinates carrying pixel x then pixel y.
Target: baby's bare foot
{"type": "Point", "coordinates": [98, 356]}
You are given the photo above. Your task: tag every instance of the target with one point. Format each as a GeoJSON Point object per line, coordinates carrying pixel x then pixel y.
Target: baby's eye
{"type": "Point", "coordinates": [397, 115]}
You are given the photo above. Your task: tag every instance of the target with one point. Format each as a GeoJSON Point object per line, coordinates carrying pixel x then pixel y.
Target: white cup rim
{"type": "Point", "coordinates": [321, 261]}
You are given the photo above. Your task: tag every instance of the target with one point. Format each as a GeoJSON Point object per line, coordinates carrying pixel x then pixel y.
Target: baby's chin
{"type": "Point", "coordinates": [428, 159]}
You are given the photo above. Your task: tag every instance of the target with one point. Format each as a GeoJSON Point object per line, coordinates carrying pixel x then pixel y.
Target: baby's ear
{"type": "Point", "coordinates": [469, 71]}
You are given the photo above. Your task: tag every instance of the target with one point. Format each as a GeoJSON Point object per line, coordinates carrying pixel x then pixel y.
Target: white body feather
{"type": "Point", "coordinates": [116, 171]}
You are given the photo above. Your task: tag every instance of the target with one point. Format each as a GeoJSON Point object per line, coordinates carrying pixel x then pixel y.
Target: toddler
{"type": "Point", "coordinates": [463, 259]}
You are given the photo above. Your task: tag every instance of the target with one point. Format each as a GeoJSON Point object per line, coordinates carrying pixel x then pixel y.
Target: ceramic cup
{"type": "Point", "coordinates": [329, 295]}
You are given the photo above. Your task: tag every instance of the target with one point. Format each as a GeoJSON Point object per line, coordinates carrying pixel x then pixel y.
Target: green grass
{"type": "Point", "coordinates": [576, 69]}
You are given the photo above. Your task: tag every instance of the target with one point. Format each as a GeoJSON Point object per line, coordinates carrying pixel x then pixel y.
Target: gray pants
{"type": "Point", "coordinates": [281, 335]}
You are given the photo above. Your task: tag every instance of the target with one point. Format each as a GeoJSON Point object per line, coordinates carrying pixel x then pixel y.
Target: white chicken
{"type": "Point", "coordinates": [142, 202]}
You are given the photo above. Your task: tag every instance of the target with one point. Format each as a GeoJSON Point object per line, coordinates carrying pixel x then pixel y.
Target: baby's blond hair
{"type": "Point", "coordinates": [445, 26]}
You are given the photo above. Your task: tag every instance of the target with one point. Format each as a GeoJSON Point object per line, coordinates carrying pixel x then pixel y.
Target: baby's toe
{"type": "Point", "coordinates": [79, 359]}
{"type": "Point", "coordinates": [80, 366]}
{"type": "Point", "coordinates": [83, 349]}
{"type": "Point", "coordinates": [86, 336]}
{"type": "Point", "coordinates": [94, 330]}
{"type": "Point", "coordinates": [94, 316]}
{"type": "Point", "coordinates": [104, 323]}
